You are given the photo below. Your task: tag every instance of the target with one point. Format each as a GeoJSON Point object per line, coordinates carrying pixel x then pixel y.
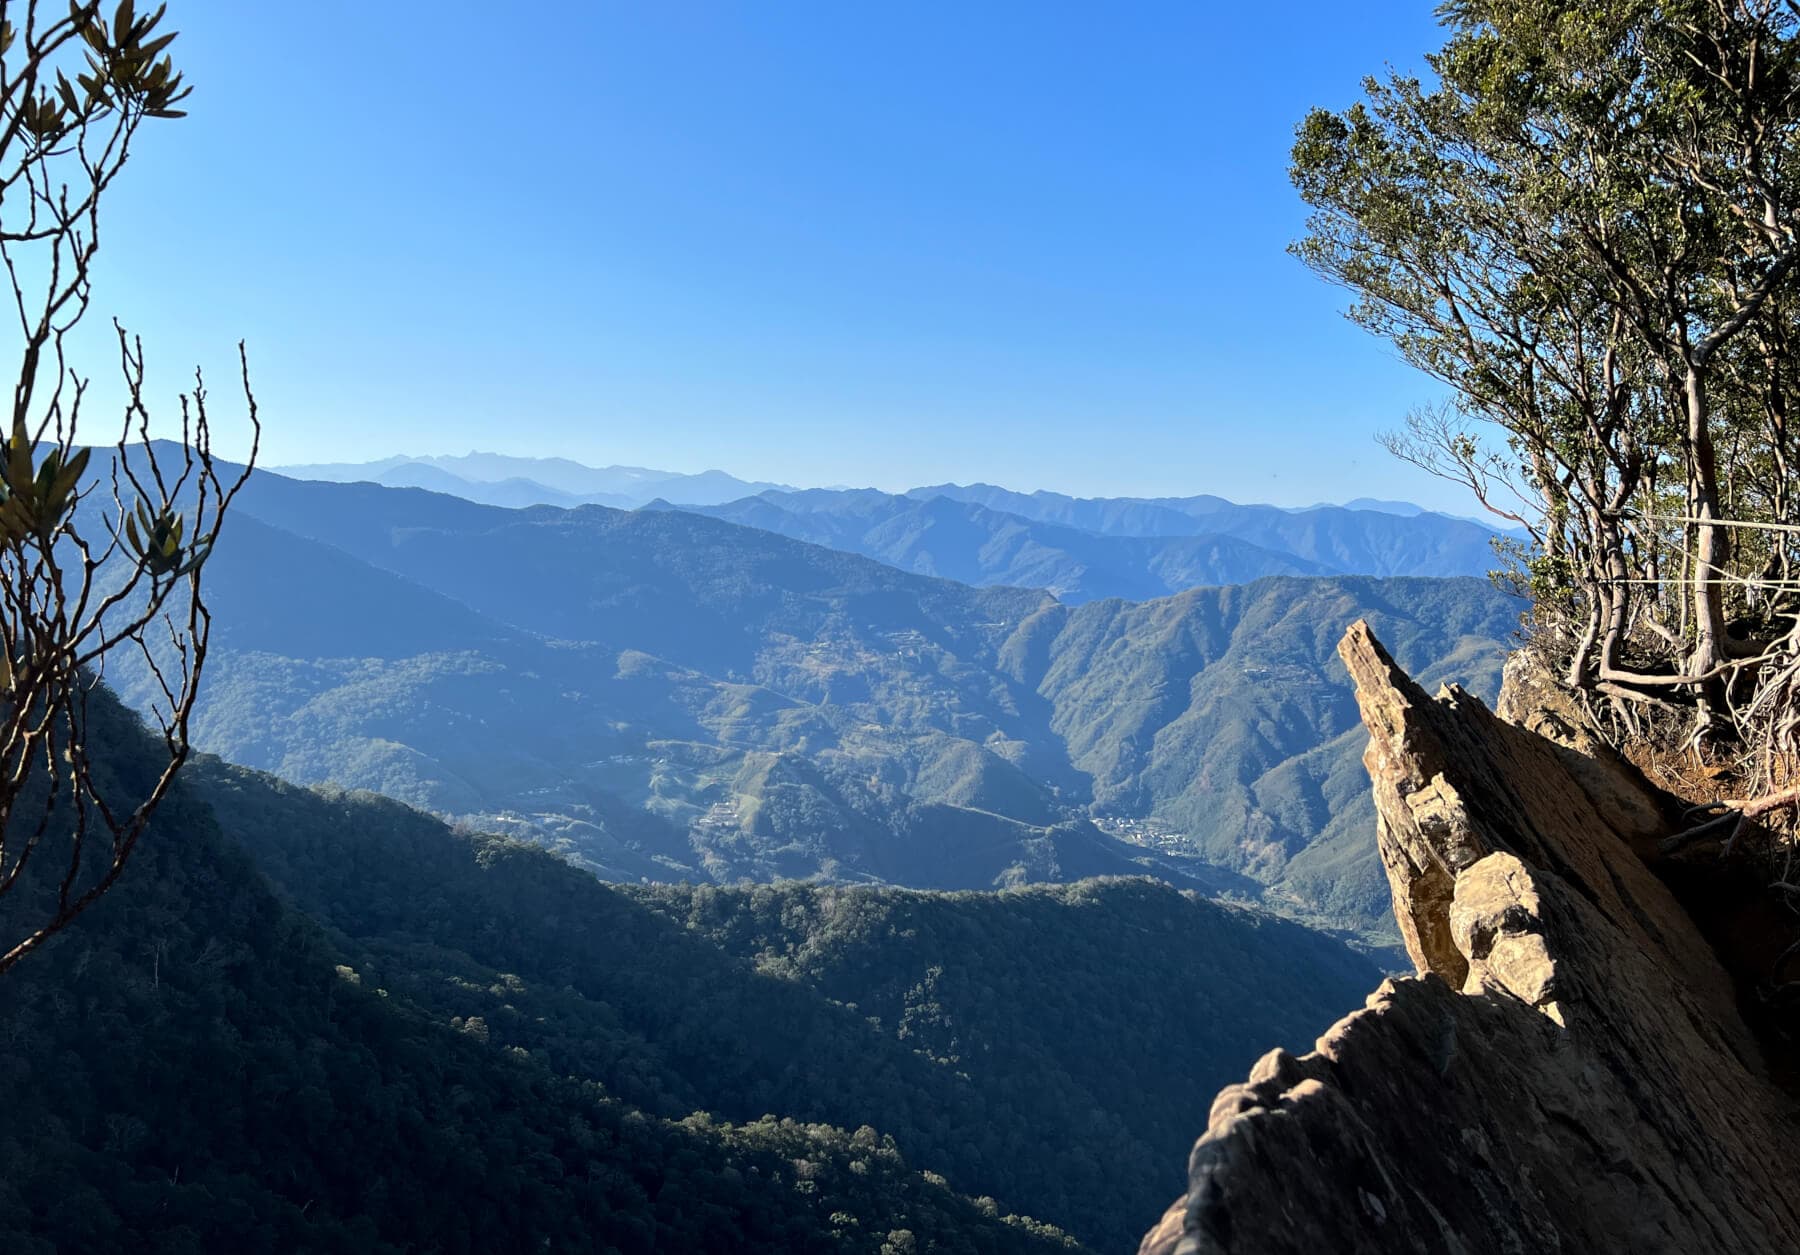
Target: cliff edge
{"type": "Point", "coordinates": [1568, 1070]}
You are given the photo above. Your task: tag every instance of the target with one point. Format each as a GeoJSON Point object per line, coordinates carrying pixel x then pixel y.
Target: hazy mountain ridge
{"type": "Point", "coordinates": [970, 543]}
{"type": "Point", "coordinates": [1339, 539]}
{"type": "Point", "coordinates": [504, 480]}
{"type": "Point", "coordinates": [669, 695]}
{"type": "Point", "coordinates": [1081, 549]}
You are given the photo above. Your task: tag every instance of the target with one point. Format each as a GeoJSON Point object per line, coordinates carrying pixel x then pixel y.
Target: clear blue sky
{"type": "Point", "coordinates": [1040, 245]}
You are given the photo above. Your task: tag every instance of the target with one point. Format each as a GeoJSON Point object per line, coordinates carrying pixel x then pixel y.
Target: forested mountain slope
{"type": "Point", "coordinates": [198, 1066]}
{"type": "Point", "coordinates": [969, 542]}
{"type": "Point", "coordinates": [331, 1023]}
{"type": "Point", "coordinates": [670, 696]}
{"type": "Point", "coordinates": [1337, 538]}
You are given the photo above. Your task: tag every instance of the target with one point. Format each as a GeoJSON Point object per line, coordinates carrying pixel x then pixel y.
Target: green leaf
{"type": "Point", "coordinates": [158, 44]}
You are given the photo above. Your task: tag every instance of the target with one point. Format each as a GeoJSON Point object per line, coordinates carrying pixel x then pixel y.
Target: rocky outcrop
{"type": "Point", "coordinates": [1567, 1071]}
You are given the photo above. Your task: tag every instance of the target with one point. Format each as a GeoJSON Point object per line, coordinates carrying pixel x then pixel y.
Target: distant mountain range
{"type": "Point", "coordinates": [669, 696]}
{"type": "Point", "coordinates": [1338, 539]}
{"type": "Point", "coordinates": [1080, 549]}
{"type": "Point", "coordinates": [1085, 549]}
{"type": "Point", "coordinates": [514, 482]}
{"type": "Point", "coordinates": [966, 541]}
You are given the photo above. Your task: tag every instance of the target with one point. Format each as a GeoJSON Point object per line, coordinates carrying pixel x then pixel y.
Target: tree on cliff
{"type": "Point", "coordinates": [1588, 227]}
{"type": "Point", "coordinates": [96, 555]}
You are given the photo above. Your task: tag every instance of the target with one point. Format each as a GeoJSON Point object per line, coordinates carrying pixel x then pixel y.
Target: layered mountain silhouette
{"type": "Point", "coordinates": [1079, 548]}
{"type": "Point", "coordinates": [504, 480]}
{"type": "Point", "coordinates": [974, 544]}
{"type": "Point", "coordinates": [1335, 538]}
{"type": "Point", "coordinates": [668, 696]}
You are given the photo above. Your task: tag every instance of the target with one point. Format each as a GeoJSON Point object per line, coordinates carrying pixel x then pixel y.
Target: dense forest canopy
{"type": "Point", "coordinates": [409, 1038]}
{"type": "Point", "coordinates": [719, 702]}
{"type": "Point", "coordinates": [1586, 223]}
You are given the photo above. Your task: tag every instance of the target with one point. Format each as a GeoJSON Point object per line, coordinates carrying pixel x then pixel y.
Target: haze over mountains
{"type": "Point", "coordinates": [1080, 549]}
{"type": "Point", "coordinates": [1083, 550]}
{"type": "Point", "coordinates": [696, 1058]}
{"type": "Point", "coordinates": [500, 479]}
{"type": "Point", "coordinates": [667, 695]}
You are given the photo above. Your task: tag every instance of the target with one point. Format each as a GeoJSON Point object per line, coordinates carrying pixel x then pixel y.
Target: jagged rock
{"type": "Point", "coordinates": [1533, 698]}
{"type": "Point", "coordinates": [1568, 1070]}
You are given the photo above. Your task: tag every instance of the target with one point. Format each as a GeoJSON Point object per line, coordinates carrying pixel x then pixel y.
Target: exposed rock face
{"type": "Point", "coordinates": [1568, 1070]}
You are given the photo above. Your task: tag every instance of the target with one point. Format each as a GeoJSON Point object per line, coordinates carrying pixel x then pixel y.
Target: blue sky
{"type": "Point", "coordinates": [1040, 245]}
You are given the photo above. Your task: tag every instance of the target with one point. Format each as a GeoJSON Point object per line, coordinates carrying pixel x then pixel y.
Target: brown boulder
{"type": "Point", "coordinates": [1568, 1070]}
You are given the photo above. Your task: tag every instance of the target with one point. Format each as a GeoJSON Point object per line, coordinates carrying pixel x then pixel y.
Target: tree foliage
{"type": "Point", "coordinates": [91, 563]}
{"type": "Point", "coordinates": [1586, 223]}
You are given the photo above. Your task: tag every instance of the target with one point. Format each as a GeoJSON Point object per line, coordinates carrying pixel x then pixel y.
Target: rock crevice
{"type": "Point", "coordinates": [1567, 1071]}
